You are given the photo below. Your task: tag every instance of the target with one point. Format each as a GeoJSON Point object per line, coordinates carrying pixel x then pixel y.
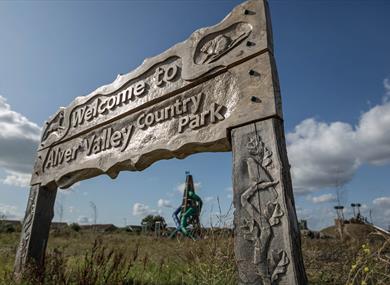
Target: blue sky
{"type": "Point", "coordinates": [334, 68]}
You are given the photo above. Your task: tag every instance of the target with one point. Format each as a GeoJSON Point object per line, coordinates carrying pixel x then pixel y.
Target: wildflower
{"type": "Point", "coordinates": [364, 246]}
{"type": "Point", "coordinates": [354, 266]}
{"type": "Point", "coordinates": [367, 251]}
{"type": "Point", "coordinates": [364, 283]}
{"type": "Point", "coordinates": [366, 269]}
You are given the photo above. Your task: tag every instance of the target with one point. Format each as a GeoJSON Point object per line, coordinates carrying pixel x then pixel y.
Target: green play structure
{"type": "Point", "coordinates": [186, 216]}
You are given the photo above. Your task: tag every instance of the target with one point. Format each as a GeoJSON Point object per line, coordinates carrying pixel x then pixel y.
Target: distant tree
{"type": "Point", "coordinates": [74, 226]}
{"type": "Point", "coordinates": [150, 222]}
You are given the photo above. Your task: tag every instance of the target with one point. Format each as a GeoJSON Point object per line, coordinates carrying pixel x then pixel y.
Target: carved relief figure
{"type": "Point", "coordinates": [26, 231]}
{"type": "Point", "coordinates": [216, 45]}
{"type": "Point", "coordinates": [258, 226]}
{"type": "Point", "coordinates": [56, 125]}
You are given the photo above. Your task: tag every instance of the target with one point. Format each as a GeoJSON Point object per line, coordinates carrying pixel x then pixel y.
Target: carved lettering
{"type": "Point", "coordinates": [98, 107]}
{"type": "Point", "coordinates": [180, 107]}
{"type": "Point", "coordinates": [215, 114]}
{"type": "Point", "coordinates": [94, 144]}
{"type": "Point", "coordinates": [162, 76]}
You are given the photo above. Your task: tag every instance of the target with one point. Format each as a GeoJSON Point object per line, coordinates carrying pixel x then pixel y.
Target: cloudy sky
{"type": "Point", "coordinates": [334, 66]}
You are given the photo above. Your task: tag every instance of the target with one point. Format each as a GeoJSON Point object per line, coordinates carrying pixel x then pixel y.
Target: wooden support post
{"type": "Point", "coordinates": [35, 230]}
{"type": "Point", "coordinates": [267, 238]}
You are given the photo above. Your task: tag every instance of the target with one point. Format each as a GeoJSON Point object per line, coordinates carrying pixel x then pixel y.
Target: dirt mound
{"type": "Point", "coordinates": [358, 232]}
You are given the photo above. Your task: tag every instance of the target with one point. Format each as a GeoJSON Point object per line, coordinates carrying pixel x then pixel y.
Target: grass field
{"type": "Point", "coordinates": [119, 257]}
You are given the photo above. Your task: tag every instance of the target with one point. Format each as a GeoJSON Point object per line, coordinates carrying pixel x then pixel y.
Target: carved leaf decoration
{"type": "Point", "coordinates": [249, 230]}
{"type": "Point", "coordinates": [269, 210]}
{"type": "Point", "coordinates": [255, 147]}
{"type": "Point", "coordinates": [267, 157]}
{"type": "Point", "coordinates": [277, 213]}
{"type": "Point", "coordinates": [281, 266]}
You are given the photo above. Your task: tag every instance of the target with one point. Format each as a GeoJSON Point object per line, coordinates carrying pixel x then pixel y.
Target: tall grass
{"type": "Point", "coordinates": [372, 263]}
{"type": "Point", "coordinates": [181, 261]}
{"type": "Point", "coordinates": [87, 257]}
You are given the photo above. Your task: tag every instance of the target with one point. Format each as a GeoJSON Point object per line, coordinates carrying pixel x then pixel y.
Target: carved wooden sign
{"type": "Point", "coordinates": [216, 91]}
{"type": "Point", "coordinates": [180, 102]}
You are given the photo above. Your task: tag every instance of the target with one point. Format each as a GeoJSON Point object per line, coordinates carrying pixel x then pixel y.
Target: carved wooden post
{"type": "Point", "coordinates": [267, 240]}
{"type": "Point", "coordinates": [35, 230]}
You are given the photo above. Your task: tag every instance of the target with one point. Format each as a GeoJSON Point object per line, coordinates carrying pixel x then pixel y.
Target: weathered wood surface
{"type": "Point", "coordinates": [35, 229]}
{"type": "Point", "coordinates": [267, 239]}
{"type": "Point", "coordinates": [175, 104]}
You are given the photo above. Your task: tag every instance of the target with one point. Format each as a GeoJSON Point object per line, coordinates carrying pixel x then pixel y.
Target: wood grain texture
{"type": "Point", "coordinates": [267, 240]}
{"type": "Point", "coordinates": [36, 226]}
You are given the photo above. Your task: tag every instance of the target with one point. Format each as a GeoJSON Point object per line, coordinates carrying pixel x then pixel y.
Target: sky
{"type": "Point", "coordinates": [334, 69]}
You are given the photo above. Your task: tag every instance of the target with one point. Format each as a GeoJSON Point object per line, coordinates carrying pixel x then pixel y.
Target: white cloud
{"type": "Point", "coordinates": [140, 209]}
{"type": "Point", "coordinates": [181, 186]}
{"type": "Point", "coordinates": [321, 155]}
{"type": "Point", "coordinates": [323, 198]}
{"type": "Point", "coordinates": [373, 135]}
{"type": "Point", "coordinates": [317, 218]}
{"type": "Point", "coordinates": [18, 179]}
{"type": "Point", "coordinates": [10, 212]}
{"type": "Point", "coordinates": [84, 220]}
{"type": "Point", "coordinates": [164, 203]}
{"type": "Point", "coordinates": [382, 202]}
{"type": "Point", "coordinates": [381, 211]}
{"type": "Point", "coordinates": [19, 139]}
{"type": "Point", "coordinates": [328, 154]}
{"type": "Point", "coordinates": [230, 191]}
{"type": "Point", "coordinates": [208, 199]}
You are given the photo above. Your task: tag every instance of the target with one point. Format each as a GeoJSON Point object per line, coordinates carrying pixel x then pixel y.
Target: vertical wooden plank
{"type": "Point", "coordinates": [35, 230]}
{"type": "Point", "coordinates": [267, 240]}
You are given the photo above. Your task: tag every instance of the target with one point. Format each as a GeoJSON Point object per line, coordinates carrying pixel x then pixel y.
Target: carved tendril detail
{"type": "Point", "coordinates": [258, 227]}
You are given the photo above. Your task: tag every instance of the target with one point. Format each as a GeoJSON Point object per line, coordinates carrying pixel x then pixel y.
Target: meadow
{"type": "Point", "coordinates": [119, 257]}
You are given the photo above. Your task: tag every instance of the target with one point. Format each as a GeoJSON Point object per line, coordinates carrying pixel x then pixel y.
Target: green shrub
{"type": "Point", "coordinates": [7, 227]}
{"type": "Point", "coordinates": [76, 227]}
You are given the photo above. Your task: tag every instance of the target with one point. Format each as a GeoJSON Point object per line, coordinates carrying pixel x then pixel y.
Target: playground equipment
{"type": "Point", "coordinates": [340, 212]}
{"type": "Point", "coordinates": [187, 215]}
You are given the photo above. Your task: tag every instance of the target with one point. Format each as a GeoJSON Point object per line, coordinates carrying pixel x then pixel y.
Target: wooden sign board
{"type": "Point", "coordinates": [180, 102]}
